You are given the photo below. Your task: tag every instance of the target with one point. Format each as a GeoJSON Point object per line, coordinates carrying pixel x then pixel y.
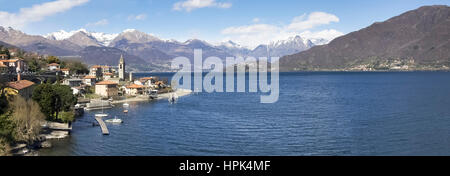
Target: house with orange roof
{"type": "Point", "coordinates": [53, 67]}
{"type": "Point", "coordinates": [20, 87]}
{"type": "Point", "coordinates": [89, 80]}
{"type": "Point", "coordinates": [106, 89]}
{"type": "Point", "coordinates": [134, 89]}
{"type": "Point", "coordinates": [147, 81]}
{"type": "Point", "coordinates": [14, 65]}
{"type": "Point", "coordinates": [96, 70]}
{"type": "Point", "coordinates": [66, 71]}
{"type": "Point", "coordinates": [107, 76]}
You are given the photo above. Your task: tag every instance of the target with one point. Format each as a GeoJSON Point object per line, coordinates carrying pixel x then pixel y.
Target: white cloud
{"type": "Point", "coordinates": [256, 20]}
{"type": "Point", "coordinates": [102, 22]}
{"type": "Point", "coordinates": [190, 5]}
{"type": "Point", "coordinates": [137, 17]}
{"type": "Point", "coordinates": [255, 34]}
{"type": "Point", "coordinates": [37, 12]}
{"type": "Point", "coordinates": [314, 19]}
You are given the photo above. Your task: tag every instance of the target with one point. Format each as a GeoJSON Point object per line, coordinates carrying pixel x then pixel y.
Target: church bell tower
{"type": "Point", "coordinates": [121, 68]}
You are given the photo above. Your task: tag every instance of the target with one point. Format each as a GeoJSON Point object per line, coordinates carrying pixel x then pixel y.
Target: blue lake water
{"type": "Point", "coordinates": [318, 113]}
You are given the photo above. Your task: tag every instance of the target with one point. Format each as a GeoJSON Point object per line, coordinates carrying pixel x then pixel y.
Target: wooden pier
{"type": "Point", "coordinates": [102, 125]}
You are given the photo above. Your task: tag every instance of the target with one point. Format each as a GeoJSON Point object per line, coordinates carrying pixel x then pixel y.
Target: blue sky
{"type": "Point", "coordinates": [245, 21]}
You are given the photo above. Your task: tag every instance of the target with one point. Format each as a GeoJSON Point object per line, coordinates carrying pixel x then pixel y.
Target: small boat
{"type": "Point", "coordinates": [126, 105]}
{"type": "Point", "coordinates": [101, 115]}
{"type": "Point", "coordinates": [125, 111]}
{"type": "Point", "coordinates": [115, 120]}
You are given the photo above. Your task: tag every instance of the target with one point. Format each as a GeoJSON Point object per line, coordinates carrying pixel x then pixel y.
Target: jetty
{"type": "Point", "coordinates": [102, 125]}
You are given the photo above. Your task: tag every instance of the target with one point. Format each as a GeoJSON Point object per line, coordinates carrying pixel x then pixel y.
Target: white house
{"type": "Point", "coordinates": [53, 67]}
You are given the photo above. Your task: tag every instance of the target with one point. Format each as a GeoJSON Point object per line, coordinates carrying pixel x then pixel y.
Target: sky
{"type": "Point", "coordinates": [248, 22]}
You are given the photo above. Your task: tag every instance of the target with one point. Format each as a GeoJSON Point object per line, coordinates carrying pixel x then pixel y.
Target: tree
{"type": "Point", "coordinates": [52, 59]}
{"type": "Point", "coordinates": [3, 99]}
{"type": "Point", "coordinates": [54, 99]}
{"type": "Point", "coordinates": [34, 66]}
{"type": "Point", "coordinates": [44, 95]}
{"type": "Point", "coordinates": [5, 51]}
{"type": "Point", "coordinates": [27, 118]}
{"type": "Point", "coordinates": [77, 67]}
{"type": "Point", "coordinates": [64, 98]}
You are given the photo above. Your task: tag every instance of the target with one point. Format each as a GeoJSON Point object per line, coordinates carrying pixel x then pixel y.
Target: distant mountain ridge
{"type": "Point", "coordinates": [139, 46]}
{"type": "Point", "coordinates": [415, 40]}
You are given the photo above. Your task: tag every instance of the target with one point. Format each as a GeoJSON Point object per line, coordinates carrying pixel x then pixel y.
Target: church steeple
{"type": "Point", "coordinates": [121, 68]}
{"type": "Point", "coordinates": [121, 59]}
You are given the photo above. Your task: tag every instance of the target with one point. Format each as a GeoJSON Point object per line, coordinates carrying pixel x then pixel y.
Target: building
{"type": "Point", "coordinates": [135, 89]}
{"type": "Point", "coordinates": [115, 80]}
{"type": "Point", "coordinates": [78, 90]}
{"type": "Point", "coordinates": [96, 71]}
{"type": "Point", "coordinates": [121, 68]}
{"type": "Point", "coordinates": [106, 89]}
{"type": "Point", "coordinates": [14, 65]}
{"type": "Point", "coordinates": [53, 67]}
{"type": "Point", "coordinates": [107, 76]}
{"type": "Point", "coordinates": [66, 71]}
{"type": "Point", "coordinates": [106, 69]}
{"type": "Point", "coordinates": [148, 81]}
{"type": "Point", "coordinates": [20, 87]}
{"type": "Point", "coordinates": [89, 80]}
{"type": "Point", "coordinates": [73, 82]}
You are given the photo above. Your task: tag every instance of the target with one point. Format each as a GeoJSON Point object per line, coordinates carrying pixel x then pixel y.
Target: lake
{"type": "Point", "coordinates": [318, 113]}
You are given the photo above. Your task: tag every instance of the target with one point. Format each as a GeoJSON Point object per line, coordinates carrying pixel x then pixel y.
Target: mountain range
{"type": "Point", "coordinates": [139, 47]}
{"type": "Point", "coordinates": [416, 40]}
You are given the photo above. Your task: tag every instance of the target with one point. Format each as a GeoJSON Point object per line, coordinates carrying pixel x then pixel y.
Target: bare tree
{"type": "Point", "coordinates": [27, 118]}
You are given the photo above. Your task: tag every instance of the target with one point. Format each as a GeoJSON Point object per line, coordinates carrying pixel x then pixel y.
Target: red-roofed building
{"type": "Point", "coordinates": [107, 75]}
{"type": "Point", "coordinates": [53, 67]}
{"type": "Point", "coordinates": [134, 89]}
{"type": "Point", "coordinates": [14, 65]}
{"type": "Point", "coordinates": [96, 71]}
{"type": "Point", "coordinates": [106, 89]}
{"type": "Point", "coordinates": [89, 80]}
{"type": "Point", "coordinates": [20, 87]}
{"type": "Point", "coordinates": [66, 71]}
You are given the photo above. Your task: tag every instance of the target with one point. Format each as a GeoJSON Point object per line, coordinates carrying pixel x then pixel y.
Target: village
{"type": "Point", "coordinates": [103, 82]}
{"type": "Point", "coordinates": [98, 87]}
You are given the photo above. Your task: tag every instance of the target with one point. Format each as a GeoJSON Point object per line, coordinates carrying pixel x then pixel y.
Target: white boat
{"type": "Point", "coordinates": [115, 120]}
{"type": "Point", "coordinates": [101, 115]}
{"type": "Point", "coordinates": [126, 105]}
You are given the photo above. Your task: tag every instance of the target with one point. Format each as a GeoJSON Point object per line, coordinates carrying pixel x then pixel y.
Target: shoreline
{"type": "Point", "coordinates": [179, 92]}
{"type": "Point", "coordinates": [48, 138]}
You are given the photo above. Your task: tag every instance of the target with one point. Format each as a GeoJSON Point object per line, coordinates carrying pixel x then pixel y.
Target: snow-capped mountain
{"type": "Point", "coordinates": [132, 36]}
{"type": "Point", "coordinates": [141, 47]}
{"type": "Point", "coordinates": [100, 38]}
{"type": "Point", "coordinates": [234, 48]}
{"type": "Point", "coordinates": [281, 48]}
{"type": "Point", "coordinates": [230, 44]}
